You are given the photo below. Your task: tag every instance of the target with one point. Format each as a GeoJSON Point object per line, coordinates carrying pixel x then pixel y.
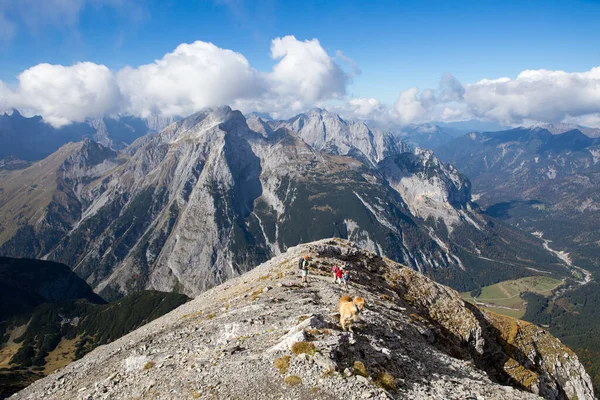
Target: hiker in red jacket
{"type": "Point", "coordinates": [336, 272]}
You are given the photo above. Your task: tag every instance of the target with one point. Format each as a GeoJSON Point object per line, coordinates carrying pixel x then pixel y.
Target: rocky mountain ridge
{"type": "Point", "coordinates": [262, 335]}
{"type": "Point", "coordinates": [328, 132]}
{"type": "Point", "coordinates": [561, 127]}
{"type": "Point", "coordinates": [209, 197]}
{"type": "Point", "coordinates": [32, 139]}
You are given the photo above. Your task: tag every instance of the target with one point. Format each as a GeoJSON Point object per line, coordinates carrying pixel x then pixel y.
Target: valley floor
{"type": "Point", "coordinates": [505, 297]}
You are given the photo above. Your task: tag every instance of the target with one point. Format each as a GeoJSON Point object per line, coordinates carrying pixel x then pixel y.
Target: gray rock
{"type": "Point", "coordinates": [294, 325]}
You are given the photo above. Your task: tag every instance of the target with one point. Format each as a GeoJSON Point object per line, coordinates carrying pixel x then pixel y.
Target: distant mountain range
{"type": "Point", "coordinates": [539, 181]}
{"type": "Point", "coordinates": [559, 128]}
{"type": "Point", "coordinates": [215, 194]}
{"type": "Point", "coordinates": [32, 139]}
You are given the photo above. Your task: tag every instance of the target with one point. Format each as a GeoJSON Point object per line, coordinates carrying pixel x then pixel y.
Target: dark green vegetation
{"type": "Point", "coordinates": [12, 163]}
{"type": "Point", "coordinates": [50, 317]}
{"type": "Point", "coordinates": [329, 202]}
{"type": "Point", "coordinates": [25, 284]}
{"type": "Point", "coordinates": [574, 318]}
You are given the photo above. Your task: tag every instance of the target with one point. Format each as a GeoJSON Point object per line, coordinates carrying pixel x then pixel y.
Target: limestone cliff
{"type": "Point", "coordinates": [215, 194]}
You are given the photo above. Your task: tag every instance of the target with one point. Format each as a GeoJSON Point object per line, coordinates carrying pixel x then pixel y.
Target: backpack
{"type": "Point", "coordinates": [300, 262]}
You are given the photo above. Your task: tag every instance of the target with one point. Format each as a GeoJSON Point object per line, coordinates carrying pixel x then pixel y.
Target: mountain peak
{"type": "Point", "coordinates": [322, 113]}
{"type": "Point", "coordinates": [327, 131]}
{"type": "Point", "coordinates": [12, 112]}
{"type": "Point", "coordinates": [202, 121]}
{"type": "Point", "coordinates": [266, 335]}
{"type": "Point", "coordinates": [562, 127]}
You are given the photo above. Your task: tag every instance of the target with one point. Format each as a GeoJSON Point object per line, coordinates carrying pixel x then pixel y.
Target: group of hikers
{"type": "Point", "coordinates": [341, 275]}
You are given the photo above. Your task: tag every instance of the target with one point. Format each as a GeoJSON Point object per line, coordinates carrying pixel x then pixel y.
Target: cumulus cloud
{"type": "Point", "coordinates": [533, 96]}
{"type": "Point", "coordinates": [65, 94]}
{"type": "Point", "coordinates": [366, 107]}
{"type": "Point", "coordinates": [193, 76]}
{"type": "Point", "coordinates": [411, 105]}
{"type": "Point", "coordinates": [539, 95]}
{"type": "Point", "coordinates": [451, 89]}
{"type": "Point", "coordinates": [304, 75]}
{"type": "Point", "coordinates": [305, 70]}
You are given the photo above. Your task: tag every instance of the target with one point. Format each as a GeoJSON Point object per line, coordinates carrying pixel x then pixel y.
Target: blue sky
{"type": "Point", "coordinates": [395, 45]}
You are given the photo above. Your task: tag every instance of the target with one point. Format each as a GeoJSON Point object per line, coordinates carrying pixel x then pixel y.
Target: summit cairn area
{"type": "Point", "coordinates": [263, 335]}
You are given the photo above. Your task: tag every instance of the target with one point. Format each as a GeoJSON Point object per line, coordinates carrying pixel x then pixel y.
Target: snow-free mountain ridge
{"type": "Point", "coordinates": [262, 335]}
{"type": "Point", "coordinates": [215, 194]}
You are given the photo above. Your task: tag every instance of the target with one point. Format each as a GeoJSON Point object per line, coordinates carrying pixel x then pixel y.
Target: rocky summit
{"type": "Point", "coordinates": [263, 335]}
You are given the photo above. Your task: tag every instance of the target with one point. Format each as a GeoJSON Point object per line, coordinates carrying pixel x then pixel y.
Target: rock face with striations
{"type": "Point", "coordinates": [262, 335]}
{"type": "Point", "coordinates": [327, 131]}
{"type": "Point", "coordinates": [215, 194]}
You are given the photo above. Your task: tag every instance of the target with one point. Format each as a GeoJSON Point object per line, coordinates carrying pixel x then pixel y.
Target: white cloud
{"type": "Point", "coordinates": [303, 75]}
{"type": "Point", "coordinates": [591, 120]}
{"type": "Point", "coordinates": [305, 71]}
{"type": "Point", "coordinates": [444, 104]}
{"type": "Point", "coordinates": [410, 107]}
{"type": "Point", "coordinates": [539, 95]}
{"type": "Point", "coordinates": [451, 89]}
{"type": "Point", "coordinates": [533, 96]}
{"type": "Point", "coordinates": [193, 76]}
{"type": "Point", "coordinates": [365, 107]}
{"type": "Point", "coordinates": [65, 94]}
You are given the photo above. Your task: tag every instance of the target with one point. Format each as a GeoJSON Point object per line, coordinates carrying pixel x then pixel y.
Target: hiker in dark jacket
{"type": "Point", "coordinates": [303, 265]}
{"type": "Point", "coordinates": [346, 277]}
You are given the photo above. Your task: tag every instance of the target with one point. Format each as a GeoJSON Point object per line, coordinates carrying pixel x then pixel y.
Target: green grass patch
{"type": "Point", "coordinates": [304, 347]}
{"type": "Point", "coordinates": [282, 364]}
{"type": "Point", "coordinates": [505, 297]}
{"type": "Point", "coordinates": [360, 369]}
{"type": "Point", "coordinates": [293, 380]}
{"type": "Point", "coordinates": [149, 365]}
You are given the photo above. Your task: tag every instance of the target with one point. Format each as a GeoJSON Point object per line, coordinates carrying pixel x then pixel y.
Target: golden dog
{"type": "Point", "coordinates": [349, 309]}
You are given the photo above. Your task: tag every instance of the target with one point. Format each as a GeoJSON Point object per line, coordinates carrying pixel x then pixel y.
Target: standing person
{"type": "Point", "coordinates": [304, 270]}
{"type": "Point", "coordinates": [334, 272]}
{"type": "Point", "coordinates": [346, 278]}
{"type": "Point", "coordinates": [338, 274]}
